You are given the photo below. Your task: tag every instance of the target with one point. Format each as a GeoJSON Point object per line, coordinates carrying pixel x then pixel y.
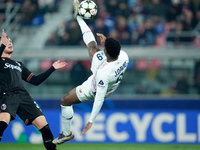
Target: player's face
{"type": "Point", "coordinates": [9, 47]}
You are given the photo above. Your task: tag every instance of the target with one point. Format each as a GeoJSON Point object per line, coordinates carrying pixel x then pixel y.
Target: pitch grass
{"type": "Point", "coordinates": [78, 146]}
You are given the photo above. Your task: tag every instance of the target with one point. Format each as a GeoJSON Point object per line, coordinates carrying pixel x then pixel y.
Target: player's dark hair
{"type": "Point", "coordinates": [112, 47]}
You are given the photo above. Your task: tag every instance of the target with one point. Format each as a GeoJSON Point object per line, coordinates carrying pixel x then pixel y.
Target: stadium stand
{"type": "Point", "coordinates": [142, 26]}
{"type": "Point", "coordinates": [139, 22]}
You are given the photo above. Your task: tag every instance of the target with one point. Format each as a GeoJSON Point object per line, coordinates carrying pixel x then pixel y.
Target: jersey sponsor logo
{"type": "Point", "coordinates": [11, 66]}
{"type": "Point", "coordinates": [80, 91]}
{"type": "Point", "coordinates": [120, 69]}
{"type": "Point", "coordinates": [3, 107]}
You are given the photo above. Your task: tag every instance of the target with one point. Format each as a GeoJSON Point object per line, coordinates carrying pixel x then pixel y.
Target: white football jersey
{"type": "Point", "coordinates": [108, 74]}
{"type": "Point", "coordinates": [106, 78]}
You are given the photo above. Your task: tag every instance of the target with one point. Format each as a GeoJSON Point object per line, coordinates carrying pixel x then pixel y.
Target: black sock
{"type": "Point", "coordinates": [3, 126]}
{"type": "Point", "coordinates": [47, 138]}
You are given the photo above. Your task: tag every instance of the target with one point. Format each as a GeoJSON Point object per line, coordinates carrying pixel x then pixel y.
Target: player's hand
{"type": "Point", "coordinates": [4, 39]}
{"type": "Point", "coordinates": [102, 38]}
{"type": "Point", "coordinates": [59, 64]}
{"type": "Point", "coordinates": [86, 128]}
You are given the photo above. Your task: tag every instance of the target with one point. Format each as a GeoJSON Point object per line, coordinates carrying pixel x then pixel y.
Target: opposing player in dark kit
{"type": "Point", "coordinates": [14, 99]}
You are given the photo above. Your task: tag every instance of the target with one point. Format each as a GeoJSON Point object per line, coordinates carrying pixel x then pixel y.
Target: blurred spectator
{"type": "Point", "coordinates": [52, 40]}
{"type": "Point", "coordinates": [174, 10]}
{"type": "Point", "coordinates": [2, 11]}
{"type": "Point", "coordinates": [47, 6]}
{"type": "Point", "coordinates": [123, 31]}
{"type": "Point", "coordinates": [64, 39]}
{"type": "Point", "coordinates": [19, 1]}
{"type": "Point", "coordinates": [175, 34]}
{"type": "Point", "coordinates": [112, 6]}
{"type": "Point", "coordinates": [147, 34]}
{"type": "Point", "coordinates": [187, 5]}
{"type": "Point", "coordinates": [28, 11]}
{"type": "Point", "coordinates": [99, 26]}
{"type": "Point", "coordinates": [78, 74]}
{"type": "Point", "coordinates": [74, 33]}
{"type": "Point", "coordinates": [142, 22]}
{"type": "Point", "coordinates": [182, 85]}
{"type": "Point", "coordinates": [157, 8]}
{"type": "Point", "coordinates": [158, 25]}
{"type": "Point", "coordinates": [123, 9]}
{"type": "Point", "coordinates": [62, 28]}
{"type": "Point", "coordinates": [109, 22]}
{"type": "Point", "coordinates": [188, 20]}
{"type": "Point", "coordinates": [69, 33]}
{"type": "Point", "coordinates": [137, 7]}
{"type": "Point", "coordinates": [114, 34]}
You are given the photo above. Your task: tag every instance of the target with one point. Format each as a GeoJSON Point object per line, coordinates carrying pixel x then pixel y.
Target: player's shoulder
{"type": "Point", "coordinates": [100, 55]}
{"type": "Point", "coordinates": [123, 54]}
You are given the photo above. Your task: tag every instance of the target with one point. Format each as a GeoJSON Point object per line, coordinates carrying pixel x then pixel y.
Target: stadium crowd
{"type": "Point", "coordinates": [28, 9]}
{"type": "Point", "coordinates": [133, 22]}
{"type": "Point", "coordinates": [138, 22]}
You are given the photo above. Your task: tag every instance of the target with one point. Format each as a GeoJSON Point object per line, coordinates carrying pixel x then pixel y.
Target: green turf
{"type": "Point", "coordinates": [78, 146]}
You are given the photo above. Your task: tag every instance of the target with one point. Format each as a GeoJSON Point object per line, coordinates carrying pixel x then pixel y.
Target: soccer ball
{"type": "Point", "coordinates": [87, 9]}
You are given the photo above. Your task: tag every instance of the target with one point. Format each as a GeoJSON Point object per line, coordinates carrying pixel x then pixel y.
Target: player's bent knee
{"type": "Point", "coordinates": [6, 117]}
{"type": "Point", "coordinates": [63, 100]}
{"type": "Point", "coordinates": [66, 100]}
{"type": "Point", "coordinates": [40, 122]}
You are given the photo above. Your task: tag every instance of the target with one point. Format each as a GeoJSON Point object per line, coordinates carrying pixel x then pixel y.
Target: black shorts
{"type": "Point", "coordinates": [22, 104]}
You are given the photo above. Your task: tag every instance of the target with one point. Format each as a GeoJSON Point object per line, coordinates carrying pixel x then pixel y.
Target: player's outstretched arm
{"type": "Point", "coordinates": [92, 49]}
{"type": "Point", "coordinates": [59, 64]}
{"type": "Point", "coordinates": [86, 128]}
{"type": "Point", "coordinates": [38, 79]}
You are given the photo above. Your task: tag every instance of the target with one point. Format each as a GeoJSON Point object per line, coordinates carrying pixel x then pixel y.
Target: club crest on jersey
{"type": "Point", "coordinates": [3, 106]}
{"type": "Point", "coordinates": [101, 83]}
{"type": "Point", "coordinates": [3, 59]}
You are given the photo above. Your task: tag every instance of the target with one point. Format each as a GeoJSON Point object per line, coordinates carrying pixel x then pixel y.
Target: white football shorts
{"type": "Point", "coordinates": [84, 91]}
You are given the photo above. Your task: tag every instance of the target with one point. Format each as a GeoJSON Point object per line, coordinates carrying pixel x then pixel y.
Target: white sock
{"type": "Point", "coordinates": [67, 115]}
{"type": "Point", "coordinates": [86, 32]}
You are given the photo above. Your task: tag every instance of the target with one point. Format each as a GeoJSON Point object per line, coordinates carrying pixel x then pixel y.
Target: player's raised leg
{"type": "Point", "coordinates": [71, 98]}
{"type": "Point", "coordinates": [88, 36]}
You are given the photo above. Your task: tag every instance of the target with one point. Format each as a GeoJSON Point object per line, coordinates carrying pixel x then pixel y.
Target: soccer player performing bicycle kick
{"type": "Point", "coordinates": [107, 68]}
